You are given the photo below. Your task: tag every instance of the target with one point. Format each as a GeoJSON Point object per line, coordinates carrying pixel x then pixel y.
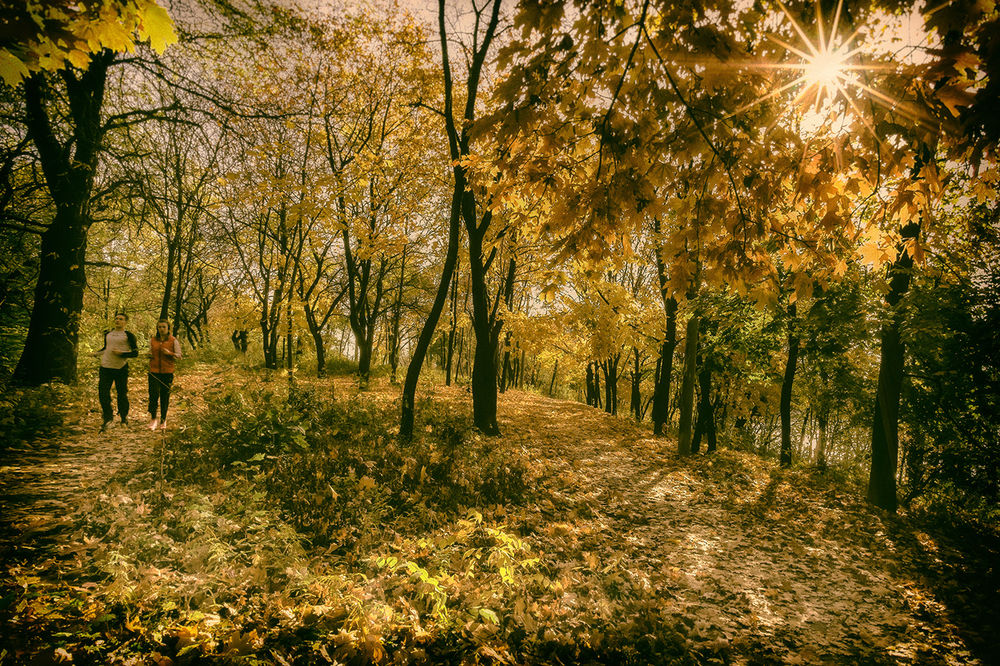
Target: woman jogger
{"type": "Point", "coordinates": [164, 349]}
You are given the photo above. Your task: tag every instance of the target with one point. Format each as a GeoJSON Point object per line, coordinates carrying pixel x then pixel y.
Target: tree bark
{"type": "Point", "coordinates": [785, 405]}
{"type": "Point", "coordinates": [885, 425]}
{"type": "Point", "coordinates": [687, 386]}
{"type": "Point", "coordinates": [50, 348]}
{"type": "Point", "coordinates": [463, 208]}
{"type": "Point", "coordinates": [452, 330]}
{"type": "Point", "coordinates": [661, 392]}
{"type": "Point", "coordinates": [706, 409]}
{"type": "Point", "coordinates": [407, 414]}
{"type": "Point", "coordinates": [635, 397]}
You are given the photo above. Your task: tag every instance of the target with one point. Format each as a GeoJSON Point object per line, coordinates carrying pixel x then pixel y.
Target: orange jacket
{"type": "Point", "coordinates": [159, 360]}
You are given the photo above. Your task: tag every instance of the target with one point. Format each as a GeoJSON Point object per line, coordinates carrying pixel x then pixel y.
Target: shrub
{"type": "Point", "coordinates": [338, 469]}
{"type": "Point", "coordinates": [337, 365]}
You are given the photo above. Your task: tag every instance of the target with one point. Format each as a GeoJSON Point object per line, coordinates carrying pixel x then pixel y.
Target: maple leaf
{"type": "Point", "coordinates": [12, 70]}
{"type": "Point", "coordinates": [871, 254]}
{"type": "Point", "coordinates": [158, 26]}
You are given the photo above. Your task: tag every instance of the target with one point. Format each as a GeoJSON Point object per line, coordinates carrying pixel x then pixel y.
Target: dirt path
{"type": "Point", "coordinates": [42, 481]}
{"type": "Point", "coordinates": [797, 574]}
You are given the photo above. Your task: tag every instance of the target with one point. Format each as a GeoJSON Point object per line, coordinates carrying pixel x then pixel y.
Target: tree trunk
{"type": "Point", "coordinates": [706, 410]}
{"type": "Point", "coordinates": [687, 386]}
{"type": "Point", "coordinates": [452, 329]}
{"type": "Point", "coordinates": [611, 383]}
{"type": "Point", "coordinates": [397, 315]}
{"type": "Point", "coordinates": [50, 348]}
{"type": "Point", "coordinates": [317, 337]}
{"type": "Point", "coordinates": [505, 369]}
{"type": "Point", "coordinates": [168, 281]}
{"type": "Point", "coordinates": [821, 425]}
{"type": "Point", "coordinates": [590, 385]}
{"type": "Point", "coordinates": [365, 343]}
{"type": "Point", "coordinates": [555, 373]}
{"type": "Point", "coordinates": [635, 397]}
{"type": "Point", "coordinates": [484, 370]}
{"type": "Point", "coordinates": [661, 392]}
{"type": "Point", "coordinates": [427, 331]}
{"type": "Point", "coordinates": [885, 425]}
{"type": "Point", "coordinates": [785, 406]}
{"type": "Point", "coordinates": [484, 386]}
{"type": "Point", "coordinates": [597, 386]}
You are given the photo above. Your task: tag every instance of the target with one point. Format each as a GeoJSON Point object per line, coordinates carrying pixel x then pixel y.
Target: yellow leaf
{"type": "Point", "coordinates": [12, 70]}
{"type": "Point", "coordinates": [79, 58]}
{"type": "Point", "coordinates": [158, 26]}
{"type": "Point", "coordinates": [366, 483]}
{"type": "Point", "coordinates": [111, 34]}
{"type": "Point", "coordinates": [871, 254]}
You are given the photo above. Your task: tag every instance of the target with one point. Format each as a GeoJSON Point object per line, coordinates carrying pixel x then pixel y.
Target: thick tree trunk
{"type": "Point", "coordinates": [484, 370]}
{"type": "Point", "coordinates": [686, 402]}
{"type": "Point", "coordinates": [365, 343]}
{"type": "Point", "coordinates": [885, 425]}
{"type": "Point", "coordinates": [452, 329]}
{"type": "Point", "coordinates": [785, 405]}
{"type": "Point", "coordinates": [317, 337]}
{"type": "Point", "coordinates": [270, 346]}
{"type": "Point", "coordinates": [50, 348]}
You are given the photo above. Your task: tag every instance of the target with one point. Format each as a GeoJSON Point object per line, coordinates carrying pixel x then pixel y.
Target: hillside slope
{"type": "Point", "coordinates": [621, 553]}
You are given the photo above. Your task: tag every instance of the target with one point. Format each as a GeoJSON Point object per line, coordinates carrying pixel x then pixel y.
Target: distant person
{"type": "Point", "coordinates": [119, 347]}
{"type": "Point", "coordinates": [164, 349]}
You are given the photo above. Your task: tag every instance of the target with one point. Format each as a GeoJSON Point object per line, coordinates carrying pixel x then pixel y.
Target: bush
{"type": "Point", "coordinates": [337, 365]}
{"type": "Point", "coordinates": [338, 469]}
{"type": "Point", "coordinates": [26, 414]}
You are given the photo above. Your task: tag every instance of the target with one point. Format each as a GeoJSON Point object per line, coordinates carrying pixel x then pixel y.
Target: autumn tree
{"type": "Point", "coordinates": [477, 223]}
{"type": "Point", "coordinates": [69, 57]}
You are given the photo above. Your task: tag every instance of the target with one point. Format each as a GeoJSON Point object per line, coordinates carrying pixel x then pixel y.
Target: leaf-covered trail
{"type": "Point", "coordinates": [41, 482]}
{"type": "Point", "coordinates": [746, 552]}
{"type": "Point", "coordinates": [755, 564]}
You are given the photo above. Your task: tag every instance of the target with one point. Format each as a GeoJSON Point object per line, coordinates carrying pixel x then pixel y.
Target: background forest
{"type": "Point", "coordinates": [770, 229]}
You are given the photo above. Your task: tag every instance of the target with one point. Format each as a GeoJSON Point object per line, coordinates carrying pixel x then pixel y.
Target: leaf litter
{"type": "Point", "coordinates": [623, 553]}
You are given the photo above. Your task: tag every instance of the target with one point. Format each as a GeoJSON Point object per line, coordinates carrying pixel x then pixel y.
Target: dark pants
{"type": "Point", "coordinates": [105, 377]}
{"type": "Point", "coordinates": [159, 390]}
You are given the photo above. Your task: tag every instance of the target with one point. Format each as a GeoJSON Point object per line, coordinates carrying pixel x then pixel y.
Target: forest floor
{"type": "Point", "coordinates": [739, 561]}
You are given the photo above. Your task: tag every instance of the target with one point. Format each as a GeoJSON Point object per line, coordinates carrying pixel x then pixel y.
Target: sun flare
{"type": "Point", "coordinates": [825, 70]}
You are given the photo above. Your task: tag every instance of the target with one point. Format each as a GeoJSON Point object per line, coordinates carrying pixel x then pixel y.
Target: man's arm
{"type": "Point", "coordinates": [133, 346]}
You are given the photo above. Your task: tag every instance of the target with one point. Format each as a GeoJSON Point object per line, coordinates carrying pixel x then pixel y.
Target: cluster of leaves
{"type": "Point", "coordinates": [338, 470]}
{"type": "Point", "coordinates": [56, 35]}
{"type": "Point", "coordinates": [27, 414]}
